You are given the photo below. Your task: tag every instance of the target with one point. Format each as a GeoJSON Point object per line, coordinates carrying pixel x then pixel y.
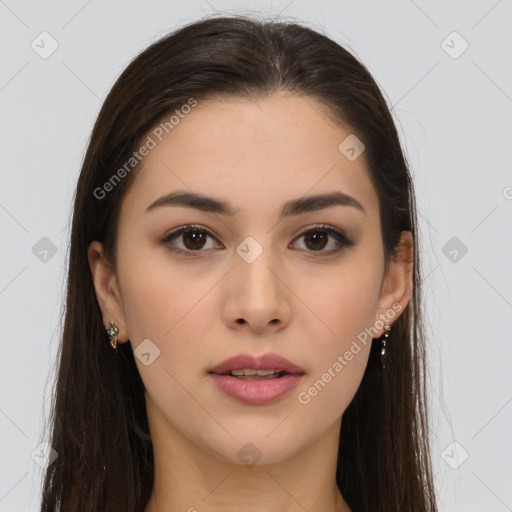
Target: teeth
{"type": "Point", "coordinates": [263, 373]}
{"type": "Point", "coordinates": [247, 371]}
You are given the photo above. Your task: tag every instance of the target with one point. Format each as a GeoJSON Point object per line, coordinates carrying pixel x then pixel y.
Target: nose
{"type": "Point", "coordinates": [257, 297]}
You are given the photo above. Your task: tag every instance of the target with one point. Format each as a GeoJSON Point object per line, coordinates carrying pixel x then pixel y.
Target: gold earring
{"type": "Point", "coordinates": [112, 332]}
{"type": "Point", "coordinates": [383, 350]}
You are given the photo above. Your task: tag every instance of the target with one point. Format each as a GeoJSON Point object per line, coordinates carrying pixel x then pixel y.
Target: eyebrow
{"type": "Point", "coordinates": [292, 207]}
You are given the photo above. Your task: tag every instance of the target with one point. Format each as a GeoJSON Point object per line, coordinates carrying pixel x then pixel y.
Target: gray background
{"type": "Point", "coordinates": [453, 111]}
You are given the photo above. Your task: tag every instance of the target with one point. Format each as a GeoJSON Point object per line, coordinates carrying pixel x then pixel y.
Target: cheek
{"type": "Point", "coordinates": [170, 307]}
{"type": "Point", "coordinates": [340, 357]}
{"type": "Point", "coordinates": [344, 308]}
{"type": "Point", "coordinates": [155, 294]}
{"type": "Point", "coordinates": [163, 305]}
{"type": "Point", "coordinates": [343, 302]}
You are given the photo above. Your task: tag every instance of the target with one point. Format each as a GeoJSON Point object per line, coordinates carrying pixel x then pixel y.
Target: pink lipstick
{"type": "Point", "coordinates": [256, 380]}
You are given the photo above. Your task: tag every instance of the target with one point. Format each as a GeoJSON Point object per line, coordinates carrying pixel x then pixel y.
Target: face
{"type": "Point", "coordinates": [255, 279]}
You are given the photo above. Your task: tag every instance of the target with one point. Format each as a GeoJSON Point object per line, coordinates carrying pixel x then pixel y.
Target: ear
{"type": "Point", "coordinates": [107, 290]}
{"type": "Point", "coordinates": [396, 288]}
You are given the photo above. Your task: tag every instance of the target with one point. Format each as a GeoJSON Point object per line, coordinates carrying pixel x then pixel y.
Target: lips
{"type": "Point", "coordinates": [264, 362]}
{"type": "Point", "coordinates": [254, 389]}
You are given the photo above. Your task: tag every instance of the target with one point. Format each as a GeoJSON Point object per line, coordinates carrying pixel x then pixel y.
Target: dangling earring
{"type": "Point", "coordinates": [383, 350]}
{"type": "Point", "coordinates": [112, 332]}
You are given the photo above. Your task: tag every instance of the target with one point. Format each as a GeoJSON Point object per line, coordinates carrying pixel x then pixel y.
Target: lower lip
{"type": "Point", "coordinates": [256, 392]}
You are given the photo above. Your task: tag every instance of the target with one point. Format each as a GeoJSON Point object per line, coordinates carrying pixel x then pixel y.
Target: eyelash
{"type": "Point", "coordinates": [339, 236]}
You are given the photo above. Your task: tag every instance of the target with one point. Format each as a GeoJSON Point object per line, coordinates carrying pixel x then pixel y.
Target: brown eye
{"type": "Point", "coordinates": [188, 240]}
{"type": "Point", "coordinates": [317, 239]}
{"type": "Point", "coordinates": [194, 239]}
{"type": "Point", "coordinates": [191, 240]}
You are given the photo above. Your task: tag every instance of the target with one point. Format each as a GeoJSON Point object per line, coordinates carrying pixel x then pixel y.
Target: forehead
{"type": "Point", "coordinates": [240, 150]}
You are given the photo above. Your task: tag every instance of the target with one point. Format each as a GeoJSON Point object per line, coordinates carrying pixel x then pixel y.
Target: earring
{"type": "Point", "coordinates": [112, 332]}
{"type": "Point", "coordinates": [383, 350]}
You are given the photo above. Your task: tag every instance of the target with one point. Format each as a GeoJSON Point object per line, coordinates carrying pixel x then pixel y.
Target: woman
{"type": "Point", "coordinates": [243, 325]}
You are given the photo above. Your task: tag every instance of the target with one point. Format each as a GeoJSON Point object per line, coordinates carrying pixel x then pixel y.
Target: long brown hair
{"type": "Point", "coordinates": [98, 415]}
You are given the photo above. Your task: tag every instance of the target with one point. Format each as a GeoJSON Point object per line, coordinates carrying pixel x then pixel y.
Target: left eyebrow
{"type": "Point", "coordinates": [292, 207]}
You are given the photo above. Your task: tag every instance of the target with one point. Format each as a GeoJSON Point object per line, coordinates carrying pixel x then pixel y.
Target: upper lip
{"type": "Point", "coordinates": [264, 362]}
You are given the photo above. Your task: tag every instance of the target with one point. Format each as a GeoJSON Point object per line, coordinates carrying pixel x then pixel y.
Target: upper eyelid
{"type": "Point", "coordinates": [183, 229]}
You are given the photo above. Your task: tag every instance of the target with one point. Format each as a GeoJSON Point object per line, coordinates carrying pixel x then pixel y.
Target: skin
{"type": "Point", "coordinates": [303, 304]}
